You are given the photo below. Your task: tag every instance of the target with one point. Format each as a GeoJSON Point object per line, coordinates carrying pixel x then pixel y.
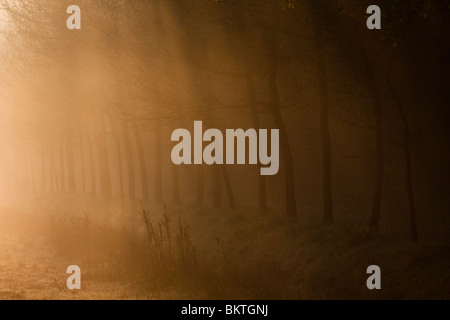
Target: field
{"type": "Point", "coordinates": [184, 253]}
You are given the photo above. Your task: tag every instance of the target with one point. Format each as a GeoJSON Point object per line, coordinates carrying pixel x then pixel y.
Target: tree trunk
{"type": "Point", "coordinates": [158, 165]}
{"type": "Point", "coordinates": [62, 167]}
{"type": "Point", "coordinates": [175, 184]}
{"type": "Point", "coordinates": [105, 174]}
{"type": "Point", "coordinates": [262, 198]}
{"type": "Point", "coordinates": [91, 162]}
{"type": "Point", "coordinates": [216, 188]}
{"type": "Point", "coordinates": [83, 173]}
{"type": "Point", "coordinates": [142, 164]}
{"type": "Point", "coordinates": [200, 197]}
{"type": "Point", "coordinates": [70, 166]}
{"type": "Point", "coordinates": [408, 166]}
{"type": "Point", "coordinates": [228, 187]}
{"type": "Point", "coordinates": [409, 187]}
{"type": "Point", "coordinates": [53, 171]}
{"type": "Point", "coordinates": [376, 206]}
{"type": "Point", "coordinates": [324, 125]}
{"type": "Point", "coordinates": [130, 164]}
{"type": "Point", "coordinates": [379, 149]}
{"type": "Point", "coordinates": [120, 164]}
{"type": "Point", "coordinates": [291, 205]}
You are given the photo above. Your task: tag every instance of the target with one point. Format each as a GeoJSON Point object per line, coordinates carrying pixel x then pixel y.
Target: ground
{"type": "Point", "coordinates": [216, 254]}
{"type": "Point", "coordinates": [31, 270]}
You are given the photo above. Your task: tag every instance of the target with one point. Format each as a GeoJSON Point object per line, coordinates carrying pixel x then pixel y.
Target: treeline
{"type": "Point", "coordinates": [92, 110]}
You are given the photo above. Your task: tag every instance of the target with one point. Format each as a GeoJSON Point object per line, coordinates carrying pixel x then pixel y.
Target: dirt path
{"type": "Point", "coordinates": [30, 270]}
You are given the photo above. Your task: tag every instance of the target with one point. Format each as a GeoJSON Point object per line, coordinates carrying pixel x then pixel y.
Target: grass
{"type": "Point", "coordinates": [206, 253]}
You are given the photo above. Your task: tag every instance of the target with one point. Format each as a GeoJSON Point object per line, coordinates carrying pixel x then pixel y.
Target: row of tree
{"type": "Point", "coordinates": [92, 110]}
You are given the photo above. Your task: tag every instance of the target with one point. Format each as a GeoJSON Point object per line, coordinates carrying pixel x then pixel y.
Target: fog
{"type": "Point", "coordinates": [87, 176]}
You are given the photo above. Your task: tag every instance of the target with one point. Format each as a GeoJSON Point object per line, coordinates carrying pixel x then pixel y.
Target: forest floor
{"type": "Point", "coordinates": [30, 269]}
{"type": "Point", "coordinates": [216, 254]}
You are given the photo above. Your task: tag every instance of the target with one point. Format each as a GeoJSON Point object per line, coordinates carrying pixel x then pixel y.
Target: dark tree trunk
{"type": "Point", "coordinates": [376, 205]}
{"type": "Point", "coordinates": [408, 166]}
{"type": "Point", "coordinates": [217, 198]}
{"type": "Point", "coordinates": [409, 187]}
{"type": "Point", "coordinates": [291, 205]}
{"type": "Point", "coordinates": [228, 187]}
{"type": "Point", "coordinates": [262, 198]}
{"type": "Point", "coordinates": [379, 149]}
{"type": "Point", "coordinates": [324, 125]}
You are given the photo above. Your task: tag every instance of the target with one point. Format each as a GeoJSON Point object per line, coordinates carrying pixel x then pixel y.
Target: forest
{"type": "Point", "coordinates": [88, 132]}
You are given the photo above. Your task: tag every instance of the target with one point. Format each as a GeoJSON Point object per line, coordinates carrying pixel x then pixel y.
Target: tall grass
{"type": "Point", "coordinates": [225, 256]}
{"type": "Point", "coordinates": [169, 259]}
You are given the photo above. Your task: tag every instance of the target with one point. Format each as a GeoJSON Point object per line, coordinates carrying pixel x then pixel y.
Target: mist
{"type": "Point", "coordinates": [357, 165]}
